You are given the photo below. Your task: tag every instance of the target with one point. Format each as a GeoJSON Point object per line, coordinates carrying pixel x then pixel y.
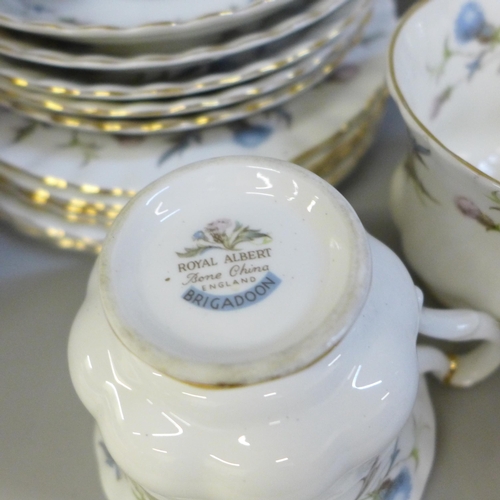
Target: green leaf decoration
{"type": "Point", "coordinates": [496, 36]}
{"type": "Point", "coordinates": [415, 454]}
{"type": "Point", "coordinates": [495, 198]}
{"type": "Point", "coordinates": [442, 98]}
{"type": "Point", "coordinates": [224, 241]}
{"type": "Point", "coordinates": [180, 144]}
{"type": "Point", "coordinates": [411, 170]}
{"type": "Point", "coordinates": [247, 234]}
{"type": "Point", "coordinates": [447, 52]}
{"type": "Point", "coordinates": [489, 223]}
{"type": "Point", "coordinates": [88, 149]}
{"type": "Point", "coordinates": [139, 492]}
{"type": "Point", "coordinates": [24, 132]}
{"type": "Point", "coordinates": [437, 71]}
{"type": "Point", "coordinates": [193, 252]}
{"type": "Point", "coordinates": [368, 39]}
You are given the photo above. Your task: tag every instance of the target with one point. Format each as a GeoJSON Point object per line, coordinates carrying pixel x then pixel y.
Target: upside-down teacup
{"type": "Point", "coordinates": [443, 74]}
{"type": "Point", "coordinates": [244, 338]}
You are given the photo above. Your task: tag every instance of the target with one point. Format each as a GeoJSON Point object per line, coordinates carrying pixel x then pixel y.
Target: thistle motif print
{"type": "Point", "coordinates": [470, 26]}
{"type": "Point", "coordinates": [468, 208]}
{"type": "Point", "coordinates": [391, 477]}
{"type": "Point", "coordinates": [223, 234]}
{"type": "Point", "coordinates": [137, 490]}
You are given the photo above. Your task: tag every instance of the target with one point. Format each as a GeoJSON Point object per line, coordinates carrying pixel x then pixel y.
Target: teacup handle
{"type": "Point", "coordinates": [458, 325]}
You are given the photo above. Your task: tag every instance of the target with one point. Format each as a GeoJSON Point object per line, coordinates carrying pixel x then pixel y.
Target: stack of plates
{"type": "Point", "coordinates": [88, 122]}
{"type": "Point", "coordinates": [129, 68]}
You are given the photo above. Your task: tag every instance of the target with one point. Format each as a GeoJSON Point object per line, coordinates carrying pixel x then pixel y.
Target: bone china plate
{"type": "Point", "coordinates": [127, 22]}
{"type": "Point", "coordinates": [180, 123]}
{"type": "Point", "coordinates": [181, 106]}
{"type": "Point", "coordinates": [155, 83]}
{"type": "Point", "coordinates": [132, 21]}
{"type": "Point", "coordinates": [85, 163]}
{"type": "Point", "coordinates": [253, 46]}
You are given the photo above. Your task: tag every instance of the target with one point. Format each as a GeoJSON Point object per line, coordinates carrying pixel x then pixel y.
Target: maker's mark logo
{"type": "Point", "coordinates": [240, 266]}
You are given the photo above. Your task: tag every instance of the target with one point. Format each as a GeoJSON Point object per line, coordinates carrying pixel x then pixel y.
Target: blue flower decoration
{"type": "Point", "coordinates": [199, 235]}
{"type": "Point", "coordinates": [39, 9]}
{"type": "Point", "coordinates": [110, 461]}
{"type": "Point", "coordinates": [474, 66]}
{"type": "Point", "coordinates": [470, 22]}
{"type": "Point", "coordinates": [252, 136]}
{"type": "Point", "coordinates": [399, 488]}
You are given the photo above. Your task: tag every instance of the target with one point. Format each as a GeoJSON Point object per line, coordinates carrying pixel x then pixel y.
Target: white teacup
{"type": "Point", "coordinates": [443, 74]}
{"type": "Point", "coordinates": [244, 338]}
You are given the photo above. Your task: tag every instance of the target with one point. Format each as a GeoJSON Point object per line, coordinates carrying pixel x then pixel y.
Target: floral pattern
{"type": "Point", "coordinates": [392, 486]}
{"type": "Point", "coordinates": [110, 461]}
{"type": "Point", "coordinates": [22, 133]}
{"type": "Point", "coordinates": [398, 488]}
{"type": "Point", "coordinates": [416, 157]}
{"type": "Point", "coordinates": [470, 26]}
{"type": "Point", "coordinates": [29, 8]}
{"type": "Point", "coordinates": [88, 149]}
{"type": "Point", "coordinates": [223, 234]}
{"type": "Point", "coordinates": [465, 205]}
{"type": "Point", "coordinates": [470, 23]}
{"type": "Point", "coordinates": [391, 475]}
{"type": "Point", "coordinates": [249, 134]}
{"type": "Point", "coordinates": [468, 208]}
{"type": "Point", "coordinates": [61, 12]}
{"type": "Point", "coordinates": [138, 491]}
{"type": "Point", "coordinates": [38, 11]}
{"type": "Point", "coordinates": [179, 144]}
{"type": "Point", "coordinates": [396, 482]}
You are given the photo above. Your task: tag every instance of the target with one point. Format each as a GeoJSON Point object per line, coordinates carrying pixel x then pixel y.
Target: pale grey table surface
{"type": "Point", "coordinates": [45, 432]}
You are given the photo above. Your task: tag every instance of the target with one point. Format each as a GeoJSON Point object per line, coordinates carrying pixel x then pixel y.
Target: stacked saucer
{"type": "Point", "coordinates": [158, 74]}
{"type": "Point", "coordinates": [75, 147]}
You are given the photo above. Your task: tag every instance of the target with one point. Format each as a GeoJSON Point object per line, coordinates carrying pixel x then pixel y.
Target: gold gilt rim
{"type": "Point", "coordinates": [75, 210]}
{"type": "Point", "coordinates": [333, 166]}
{"type": "Point", "coordinates": [17, 23]}
{"type": "Point", "coordinates": [373, 106]}
{"type": "Point", "coordinates": [177, 124]}
{"type": "Point", "coordinates": [81, 190]}
{"type": "Point", "coordinates": [26, 51]}
{"type": "Point", "coordinates": [66, 240]}
{"type": "Point", "coordinates": [183, 106]}
{"type": "Point", "coordinates": [52, 234]}
{"type": "Point", "coordinates": [79, 211]}
{"type": "Point", "coordinates": [156, 90]}
{"type": "Point", "coordinates": [333, 160]}
{"type": "Point", "coordinates": [62, 185]}
{"type": "Point", "coordinates": [342, 167]}
{"type": "Point", "coordinates": [98, 91]}
{"type": "Point", "coordinates": [339, 161]}
{"type": "Point", "coordinates": [401, 99]}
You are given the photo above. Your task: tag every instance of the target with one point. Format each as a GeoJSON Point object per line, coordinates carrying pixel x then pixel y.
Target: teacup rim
{"type": "Point", "coordinates": [403, 102]}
